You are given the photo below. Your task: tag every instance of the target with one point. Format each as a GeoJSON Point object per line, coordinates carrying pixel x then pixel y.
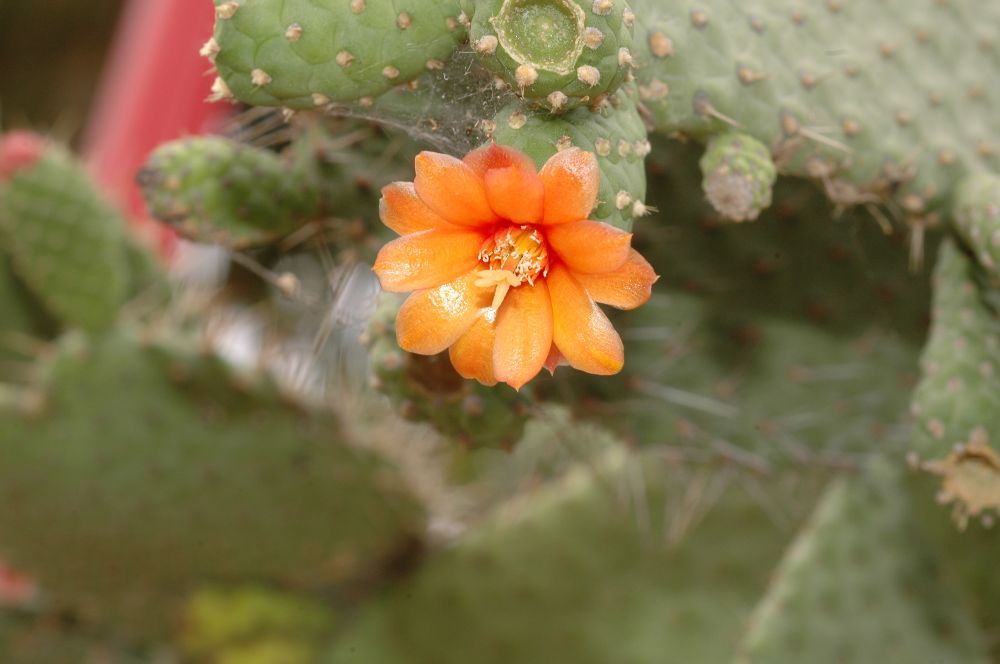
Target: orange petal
{"type": "Point", "coordinates": [427, 259]}
{"type": "Point", "coordinates": [580, 330]}
{"type": "Point", "coordinates": [472, 354]}
{"type": "Point", "coordinates": [433, 319]}
{"type": "Point", "coordinates": [590, 246]}
{"type": "Point", "coordinates": [524, 334]}
{"type": "Point", "coordinates": [497, 156]}
{"type": "Point", "coordinates": [625, 288]}
{"type": "Point", "coordinates": [452, 189]}
{"type": "Point", "coordinates": [402, 210]}
{"type": "Point", "coordinates": [571, 180]}
{"type": "Point", "coordinates": [515, 194]}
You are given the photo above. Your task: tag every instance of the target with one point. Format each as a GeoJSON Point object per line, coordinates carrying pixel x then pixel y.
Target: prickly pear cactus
{"type": "Point", "coordinates": [957, 404]}
{"type": "Point", "coordinates": [557, 53]}
{"type": "Point", "coordinates": [345, 501]}
{"type": "Point", "coordinates": [65, 241]}
{"type": "Point", "coordinates": [738, 176]}
{"type": "Point", "coordinates": [306, 55]}
{"type": "Point", "coordinates": [182, 470]}
{"type": "Point", "coordinates": [860, 565]}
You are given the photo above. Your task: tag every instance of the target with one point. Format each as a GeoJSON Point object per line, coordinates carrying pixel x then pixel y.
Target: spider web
{"type": "Point", "coordinates": [451, 109]}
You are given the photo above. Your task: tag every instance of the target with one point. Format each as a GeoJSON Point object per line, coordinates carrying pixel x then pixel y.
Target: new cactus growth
{"type": "Point", "coordinates": [738, 175]}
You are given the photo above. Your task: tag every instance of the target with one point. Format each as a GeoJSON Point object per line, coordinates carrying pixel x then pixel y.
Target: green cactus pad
{"type": "Point", "coordinates": [161, 469]}
{"type": "Point", "coordinates": [957, 404]}
{"type": "Point", "coordinates": [738, 175]}
{"type": "Point", "coordinates": [428, 389]}
{"type": "Point", "coordinates": [303, 54]}
{"type": "Point", "coordinates": [977, 218]}
{"type": "Point", "coordinates": [577, 572]}
{"type": "Point", "coordinates": [614, 132]}
{"type": "Point", "coordinates": [858, 585]}
{"type": "Point", "coordinates": [557, 53]}
{"type": "Point", "coordinates": [792, 340]}
{"type": "Point", "coordinates": [66, 242]}
{"type": "Point", "coordinates": [875, 100]}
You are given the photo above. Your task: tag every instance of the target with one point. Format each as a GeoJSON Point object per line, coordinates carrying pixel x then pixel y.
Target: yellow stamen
{"type": "Point", "coordinates": [515, 255]}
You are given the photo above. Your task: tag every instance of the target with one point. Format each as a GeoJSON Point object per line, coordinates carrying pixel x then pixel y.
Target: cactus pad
{"type": "Point", "coordinates": [67, 243]}
{"type": "Point", "coordinates": [558, 53]}
{"type": "Point", "coordinates": [144, 457]}
{"type": "Point", "coordinates": [858, 586]}
{"type": "Point", "coordinates": [303, 54]}
{"type": "Point", "coordinates": [957, 404]}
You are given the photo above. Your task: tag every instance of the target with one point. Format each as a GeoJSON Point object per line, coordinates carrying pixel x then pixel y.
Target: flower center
{"type": "Point", "coordinates": [515, 254]}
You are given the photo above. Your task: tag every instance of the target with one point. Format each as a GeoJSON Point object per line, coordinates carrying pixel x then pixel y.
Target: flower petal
{"type": "Point", "coordinates": [524, 334]}
{"type": "Point", "coordinates": [625, 288]}
{"type": "Point", "coordinates": [515, 194]}
{"type": "Point", "coordinates": [402, 210]}
{"type": "Point", "coordinates": [580, 330]}
{"type": "Point", "coordinates": [590, 246]}
{"type": "Point", "coordinates": [427, 259]}
{"type": "Point", "coordinates": [493, 156]}
{"type": "Point", "coordinates": [433, 319]}
{"type": "Point", "coordinates": [472, 354]}
{"type": "Point", "coordinates": [571, 180]}
{"type": "Point", "coordinates": [452, 189]}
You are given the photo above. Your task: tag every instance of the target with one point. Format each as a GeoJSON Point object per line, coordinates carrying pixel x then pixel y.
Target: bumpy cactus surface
{"type": "Point", "coordinates": [244, 466]}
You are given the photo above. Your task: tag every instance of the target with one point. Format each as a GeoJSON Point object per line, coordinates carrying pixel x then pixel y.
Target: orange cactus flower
{"type": "Point", "coordinates": [506, 267]}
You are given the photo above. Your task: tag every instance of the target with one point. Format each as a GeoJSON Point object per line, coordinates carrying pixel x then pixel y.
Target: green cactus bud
{"type": "Point", "coordinates": [738, 176]}
{"type": "Point", "coordinates": [614, 132]}
{"type": "Point", "coordinates": [302, 55]}
{"type": "Point", "coordinates": [557, 53]}
{"type": "Point", "coordinates": [977, 218]}
{"type": "Point", "coordinates": [66, 241]}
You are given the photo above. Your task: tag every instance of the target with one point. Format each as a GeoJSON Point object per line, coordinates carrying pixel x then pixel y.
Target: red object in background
{"type": "Point", "coordinates": [153, 90]}
{"type": "Point", "coordinates": [15, 588]}
{"type": "Point", "coordinates": [19, 149]}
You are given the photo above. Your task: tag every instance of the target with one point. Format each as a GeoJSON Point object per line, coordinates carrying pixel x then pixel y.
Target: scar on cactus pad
{"type": "Point", "coordinates": [506, 267]}
{"type": "Point", "coordinates": [558, 53]}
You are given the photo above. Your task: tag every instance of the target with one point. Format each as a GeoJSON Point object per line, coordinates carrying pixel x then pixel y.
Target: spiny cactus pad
{"type": "Point", "coordinates": [859, 586]}
{"type": "Point", "coordinates": [614, 132]}
{"type": "Point", "coordinates": [977, 218]}
{"type": "Point", "coordinates": [862, 96]}
{"type": "Point", "coordinates": [303, 54]}
{"type": "Point", "coordinates": [163, 469]}
{"type": "Point", "coordinates": [558, 53]}
{"type": "Point", "coordinates": [66, 242]}
{"type": "Point", "coordinates": [578, 572]}
{"type": "Point", "coordinates": [957, 404]}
